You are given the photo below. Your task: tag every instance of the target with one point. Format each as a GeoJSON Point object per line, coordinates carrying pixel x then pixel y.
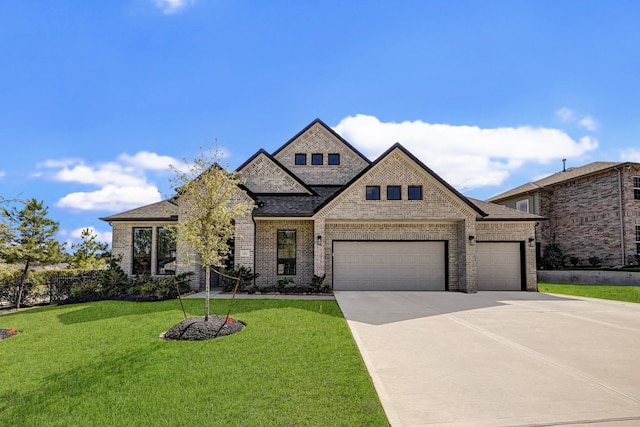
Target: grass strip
{"type": "Point", "coordinates": [612, 292]}
{"type": "Point", "coordinates": [102, 363]}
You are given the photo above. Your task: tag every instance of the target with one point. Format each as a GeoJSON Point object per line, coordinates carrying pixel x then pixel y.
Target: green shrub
{"type": "Point", "coordinates": [246, 281]}
{"type": "Point", "coordinates": [574, 260]}
{"type": "Point", "coordinates": [594, 261]}
{"type": "Point", "coordinates": [552, 257]}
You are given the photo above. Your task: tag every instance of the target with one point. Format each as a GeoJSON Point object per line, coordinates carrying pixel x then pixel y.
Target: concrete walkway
{"type": "Point", "coordinates": [499, 358]}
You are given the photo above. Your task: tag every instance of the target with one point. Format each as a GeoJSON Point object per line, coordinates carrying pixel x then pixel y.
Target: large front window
{"type": "Point", "coordinates": [287, 252]}
{"type": "Point", "coordinates": [166, 256]}
{"type": "Point", "coordinates": [636, 187]}
{"type": "Point", "coordinates": [638, 239]}
{"type": "Point", "coordinates": [142, 250]}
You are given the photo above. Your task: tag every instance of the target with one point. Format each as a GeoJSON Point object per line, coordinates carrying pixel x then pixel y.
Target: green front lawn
{"type": "Point", "coordinates": [102, 363]}
{"type": "Point", "coordinates": [619, 293]}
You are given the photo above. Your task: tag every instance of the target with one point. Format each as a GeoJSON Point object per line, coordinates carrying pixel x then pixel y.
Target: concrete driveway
{"type": "Point", "coordinates": [499, 358]}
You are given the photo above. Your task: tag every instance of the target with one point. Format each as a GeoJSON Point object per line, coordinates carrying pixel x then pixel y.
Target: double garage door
{"type": "Point", "coordinates": [382, 266]}
{"type": "Point", "coordinates": [409, 266]}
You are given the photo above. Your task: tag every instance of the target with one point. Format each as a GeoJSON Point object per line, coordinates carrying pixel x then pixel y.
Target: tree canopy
{"type": "Point", "coordinates": [209, 198]}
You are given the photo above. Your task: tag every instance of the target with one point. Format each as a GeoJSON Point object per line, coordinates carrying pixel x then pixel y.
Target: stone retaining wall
{"type": "Point", "coordinates": [624, 278]}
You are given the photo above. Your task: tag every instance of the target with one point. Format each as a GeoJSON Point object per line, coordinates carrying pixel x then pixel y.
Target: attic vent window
{"type": "Point", "coordinates": [316, 159]}
{"type": "Point", "coordinates": [393, 192]}
{"type": "Point", "coordinates": [334, 159]}
{"type": "Point", "coordinates": [301, 159]}
{"type": "Point", "coordinates": [414, 192]}
{"type": "Point", "coordinates": [373, 192]}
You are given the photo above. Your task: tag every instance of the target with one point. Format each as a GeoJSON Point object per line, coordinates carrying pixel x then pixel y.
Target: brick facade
{"type": "Point", "coordinates": [316, 202]}
{"type": "Point", "coordinates": [318, 139]}
{"type": "Point", "coordinates": [267, 251]}
{"type": "Point", "coordinates": [591, 215]}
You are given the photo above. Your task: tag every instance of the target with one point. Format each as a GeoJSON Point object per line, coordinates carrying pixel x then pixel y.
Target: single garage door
{"type": "Point", "coordinates": [499, 266]}
{"type": "Point", "coordinates": [382, 266]}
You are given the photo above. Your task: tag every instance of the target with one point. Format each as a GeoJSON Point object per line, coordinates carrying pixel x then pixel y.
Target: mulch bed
{"type": "Point", "coordinates": [195, 328]}
{"type": "Point", "coordinates": [6, 333]}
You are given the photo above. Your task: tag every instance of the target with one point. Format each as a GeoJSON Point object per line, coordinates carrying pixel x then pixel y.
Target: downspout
{"type": "Point", "coordinates": [621, 216]}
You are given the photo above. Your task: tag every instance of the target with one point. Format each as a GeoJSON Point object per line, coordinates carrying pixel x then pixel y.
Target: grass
{"type": "Point", "coordinates": [613, 292]}
{"type": "Point", "coordinates": [102, 363]}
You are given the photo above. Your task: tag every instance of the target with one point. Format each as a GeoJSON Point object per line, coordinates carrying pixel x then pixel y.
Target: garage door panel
{"type": "Point", "coordinates": [499, 266]}
{"type": "Point", "coordinates": [377, 265]}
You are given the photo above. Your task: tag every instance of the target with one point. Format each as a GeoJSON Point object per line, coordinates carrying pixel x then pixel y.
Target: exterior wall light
{"type": "Point", "coordinates": [472, 239]}
{"type": "Point", "coordinates": [319, 240]}
{"type": "Point", "coordinates": [531, 240]}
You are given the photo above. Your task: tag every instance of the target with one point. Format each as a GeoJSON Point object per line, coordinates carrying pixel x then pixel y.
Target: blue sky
{"type": "Point", "coordinates": [98, 98]}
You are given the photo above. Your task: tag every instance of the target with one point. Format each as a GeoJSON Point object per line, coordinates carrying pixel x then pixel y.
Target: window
{"type": "Point", "coordinates": [522, 205]}
{"type": "Point", "coordinates": [334, 158]}
{"type": "Point", "coordinates": [316, 159]}
{"type": "Point", "coordinates": [166, 252]}
{"type": "Point", "coordinates": [373, 192]}
{"type": "Point", "coordinates": [393, 192]}
{"type": "Point", "coordinates": [638, 239]}
{"type": "Point", "coordinates": [301, 159]}
{"type": "Point", "coordinates": [636, 187]}
{"type": "Point", "coordinates": [415, 192]}
{"type": "Point", "coordinates": [141, 250]}
{"type": "Point", "coordinates": [287, 252]}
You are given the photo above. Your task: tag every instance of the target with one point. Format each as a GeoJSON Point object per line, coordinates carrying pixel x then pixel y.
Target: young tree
{"type": "Point", "coordinates": [28, 238]}
{"type": "Point", "coordinates": [89, 253]}
{"type": "Point", "coordinates": [209, 199]}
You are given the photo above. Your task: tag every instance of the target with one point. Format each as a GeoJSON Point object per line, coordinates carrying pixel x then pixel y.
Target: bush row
{"type": "Point", "coordinates": [67, 286]}
{"type": "Point", "coordinates": [284, 286]}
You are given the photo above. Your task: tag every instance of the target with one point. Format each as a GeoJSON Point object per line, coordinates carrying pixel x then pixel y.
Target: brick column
{"type": "Point", "coordinates": [319, 249]}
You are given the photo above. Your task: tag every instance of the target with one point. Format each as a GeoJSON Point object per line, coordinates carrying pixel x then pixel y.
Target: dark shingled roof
{"type": "Point", "coordinates": [293, 205]}
{"type": "Point", "coordinates": [160, 211]}
{"type": "Point", "coordinates": [556, 178]}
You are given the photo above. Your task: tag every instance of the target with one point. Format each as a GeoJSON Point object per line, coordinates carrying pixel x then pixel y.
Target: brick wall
{"type": "Point", "coordinates": [317, 139]}
{"type": "Point", "coordinates": [631, 208]}
{"type": "Point", "coordinates": [262, 175]}
{"type": "Point", "coordinates": [267, 250]}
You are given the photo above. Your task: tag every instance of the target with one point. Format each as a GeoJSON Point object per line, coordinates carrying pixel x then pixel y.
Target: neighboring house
{"type": "Point", "coordinates": [322, 208]}
{"type": "Point", "coordinates": [593, 210]}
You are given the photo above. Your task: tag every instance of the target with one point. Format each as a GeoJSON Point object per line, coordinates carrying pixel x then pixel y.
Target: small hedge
{"type": "Point", "coordinates": [69, 286]}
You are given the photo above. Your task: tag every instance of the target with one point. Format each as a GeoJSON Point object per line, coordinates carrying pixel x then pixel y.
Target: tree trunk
{"type": "Point", "coordinates": [207, 287]}
{"type": "Point", "coordinates": [23, 277]}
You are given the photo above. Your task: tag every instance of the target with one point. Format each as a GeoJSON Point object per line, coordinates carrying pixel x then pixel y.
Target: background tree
{"type": "Point", "coordinates": [209, 199]}
{"type": "Point", "coordinates": [89, 254]}
{"type": "Point", "coordinates": [29, 239]}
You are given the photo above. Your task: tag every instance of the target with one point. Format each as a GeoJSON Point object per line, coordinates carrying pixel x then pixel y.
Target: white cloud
{"type": "Point", "coordinates": [75, 236]}
{"type": "Point", "coordinates": [565, 114]}
{"type": "Point", "coordinates": [170, 7]}
{"type": "Point", "coordinates": [111, 198]}
{"type": "Point", "coordinates": [2, 174]}
{"type": "Point", "coordinates": [630, 155]}
{"type": "Point", "coordinates": [589, 123]}
{"type": "Point", "coordinates": [118, 185]}
{"type": "Point", "coordinates": [468, 157]}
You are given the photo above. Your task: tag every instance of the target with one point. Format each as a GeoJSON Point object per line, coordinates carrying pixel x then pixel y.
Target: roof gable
{"type": "Point", "coordinates": [264, 174]}
{"type": "Point", "coordinates": [318, 138]}
{"type": "Point", "coordinates": [397, 166]}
